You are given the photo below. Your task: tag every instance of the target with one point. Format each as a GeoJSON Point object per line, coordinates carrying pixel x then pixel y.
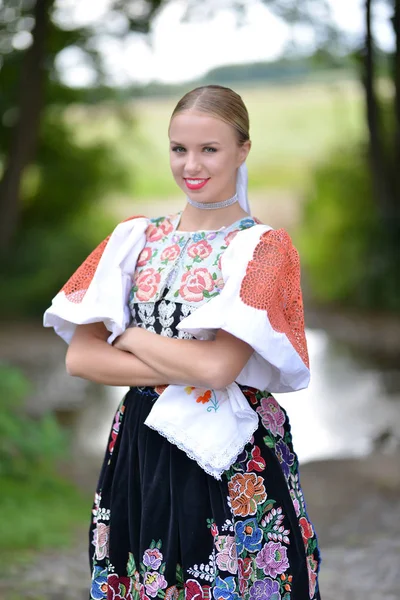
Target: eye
{"type": "Point", "coordinates": [178, 149]}
{"type": "Point", "coordinates": [209, 150]}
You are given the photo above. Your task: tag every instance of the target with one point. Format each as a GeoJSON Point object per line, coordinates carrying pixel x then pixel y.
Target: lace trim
{"type": "Point", "coordinates": [225, 459]}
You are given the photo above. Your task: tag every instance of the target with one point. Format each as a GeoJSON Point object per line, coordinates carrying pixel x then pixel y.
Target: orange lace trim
{"type": "Point", "coordinates": [77, 285]}
{"type": "Point", "coordinates": [272, 283]}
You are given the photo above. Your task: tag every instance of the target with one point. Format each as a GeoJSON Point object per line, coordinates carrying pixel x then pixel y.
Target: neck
{"type": "Point", "coordinates": [193, 219]}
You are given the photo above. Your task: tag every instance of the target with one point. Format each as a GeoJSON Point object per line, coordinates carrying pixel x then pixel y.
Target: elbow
{"type": "Point", "coordinates": [73, 363]}
{"type": "Point", "coordinates": [219, 375]}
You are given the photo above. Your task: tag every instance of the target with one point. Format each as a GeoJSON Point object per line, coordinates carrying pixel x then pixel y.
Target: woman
{"type": "Point", "coordinates": [199, 492]}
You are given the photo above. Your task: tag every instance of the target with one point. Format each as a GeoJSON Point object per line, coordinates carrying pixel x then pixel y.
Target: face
{"type": "Point", "coordinates": [205, 156]}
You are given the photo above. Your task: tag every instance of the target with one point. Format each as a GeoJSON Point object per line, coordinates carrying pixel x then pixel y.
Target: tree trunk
{"type": "Point", "coordinates": [381, 174]}
{"type": "Point", "coordinates": [25, 134]}
{"type": "Point", "coordinates": [396, 78]}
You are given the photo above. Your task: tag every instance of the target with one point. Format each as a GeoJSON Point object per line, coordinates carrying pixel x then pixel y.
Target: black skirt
{"type": "Point", "coordinates": [163, 528]}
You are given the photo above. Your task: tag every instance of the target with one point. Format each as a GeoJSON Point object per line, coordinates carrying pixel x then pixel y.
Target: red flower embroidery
{"type": "Point", "coordinates": [256, 463]}
{"type": "Point", "coordinates": [200, 249]}
{"type": "Point", "coordinates": [171, 252]}
{"type": "Point", "coordinates": [154, 233]}
{"type": "Point", "coordinates": [306, 529]}
{"type": "Point", "coordinates": [119, 588]}
{"type": "Point", "coordinates": [244, 573]}
{"type": "Point", "coordinates": [193, 590]}
{"type": "Point", "coordinates": [195, 283]}
{"type": "Point", "coordinates": [147, 283]}
{"type": "Point", "coordinates": [144, 256]}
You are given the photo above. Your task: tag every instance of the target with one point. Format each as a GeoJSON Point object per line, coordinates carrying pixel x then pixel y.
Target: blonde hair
{"type": "Point", "coordinates": [221, 103]}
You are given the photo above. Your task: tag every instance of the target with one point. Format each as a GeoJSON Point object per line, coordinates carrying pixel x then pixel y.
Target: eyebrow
{"type": "Point", "coordinates": [204, 144]}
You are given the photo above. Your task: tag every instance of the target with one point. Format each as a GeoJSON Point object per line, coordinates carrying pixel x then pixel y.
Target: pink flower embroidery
{"type": "Point", "coordinates": [154, 582]}
{"type": "Point", "coordinates": [195, 283]}
{"type": "Point", "coordinates": [144, 256]}
{"type": "Point", "coordinates": [100, 540]}
{"type": "Point", "coordinates": [312, 567]}
{"type": "Point", "coordinates": [230, 236]}
{"type": "Point", "coordinates": [152, 558]}
{"type": "Point", "coordinates": [171, 252]}
{"type": "Point", "coordinates": [226, 556]}
{"type": "Point", "coordinates": [147, 283]}
{"type": "Point", "coordinates": [200, 249]}
{"type": "Point", "coordinates": [272, 416]}
{"type": "Point", "coordinates": [272, 559]}
{"type": "Point", "coordinates": [154, 233]}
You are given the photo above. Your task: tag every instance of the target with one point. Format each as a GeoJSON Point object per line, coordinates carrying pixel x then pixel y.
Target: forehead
{"type": "Point", "coordinates": [195, 127]}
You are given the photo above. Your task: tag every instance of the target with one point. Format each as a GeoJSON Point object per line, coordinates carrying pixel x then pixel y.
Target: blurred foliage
{"type": "Point", "coordinates": [38, 507]}
{"type": "Point", "coordinates": [348, 257]}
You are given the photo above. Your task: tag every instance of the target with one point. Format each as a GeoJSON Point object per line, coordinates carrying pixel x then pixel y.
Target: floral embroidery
{"type": "Point", "coordinates": [100, 540]}
{"type": "Point", "coordinates": [116, 426]}
{"type": "Point", "coordinates": [272, 559]}
{"type": "Point", "coordinates": [98, 590]}
{"type": "Point", "coordinates": [244, 571]}
{"type": "Point", "coordinates": [199, 250]}
{"type": "Point", "coordinates": [170, 253]}
{"type": "Point", "coordinates": [196, 285]}
{"type": "Point", "coordinates": [146, 284]}
{"type": "Point", "coordinates": [145, 256]}
{"type": "Point", "coordinates": [257, 462]}
{"type": "Point", "coordinates": [265, 589]}
{"type": "Point", "coordinates": [209, 396]}
{"type": "Point", "coordinates": [226, 557]}
{"type": "Point", "coordinates": [225, 589]}
{"type": "Point", "coordinates": [272, 416]}
{"type": "Point", "coordinates": [272, 283]}
{"type": "Point", "coordinates": [246, 492]}
{"type": "Point", "coordinates": [248, 536]}
{"type": "Point", "coordinates": [152, 558]}
{"type": "Point", "coordinates": [285, 457]}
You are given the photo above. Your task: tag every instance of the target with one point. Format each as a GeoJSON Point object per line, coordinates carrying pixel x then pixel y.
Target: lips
{"type": "Point", "coordinates": [195, 184]}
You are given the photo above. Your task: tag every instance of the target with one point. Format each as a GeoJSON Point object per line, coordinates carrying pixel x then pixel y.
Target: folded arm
{"type": "Point", "coordinates": [91, 357]}
{"type": "Point", "coordinates": [211, 364]}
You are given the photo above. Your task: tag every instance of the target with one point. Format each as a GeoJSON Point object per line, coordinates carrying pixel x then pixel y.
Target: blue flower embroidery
{"type": "Point", "coordinates": [246, 223]}
{"type": "Point", "coordinates": [285, 457]}
{"type": "Point", "coordinates": [248, 536]}
{"type": "Point", "coordinates": [98, 590]}
{"type": "Point", "coordinates": [225, 589]}
{"type": "Point", "coordinates": [197, 237]}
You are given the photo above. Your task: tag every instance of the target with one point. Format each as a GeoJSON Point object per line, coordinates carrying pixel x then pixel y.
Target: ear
{"type": "Point", "coordinates": [244, 150]}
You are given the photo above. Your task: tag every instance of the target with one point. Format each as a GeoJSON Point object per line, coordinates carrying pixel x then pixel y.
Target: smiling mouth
{"type": "Point", "coordinates": [195, 184]}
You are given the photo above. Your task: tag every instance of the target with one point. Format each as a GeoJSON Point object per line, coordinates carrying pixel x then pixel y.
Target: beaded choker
{"type": "Point", "coordinates": [213, 205]}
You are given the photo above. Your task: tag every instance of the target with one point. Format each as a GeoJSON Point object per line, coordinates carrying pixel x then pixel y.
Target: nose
{"type": "Point", "coordinates": [192, 165]}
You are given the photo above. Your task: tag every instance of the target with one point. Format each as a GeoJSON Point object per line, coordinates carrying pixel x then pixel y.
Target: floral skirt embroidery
{"type": "Point", "coordinates": [163, 528]}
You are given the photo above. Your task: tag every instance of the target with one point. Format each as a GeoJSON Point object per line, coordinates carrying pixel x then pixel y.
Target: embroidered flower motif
{"type": "Point", "coordinates": [307, 530]}
{"type": "Point", "coordinates": [219, 283]}
{"type": "Point", "coordinates": [230, 236]}
{"type": "Point", "coordinates": [119, 588]}
{"type": "Point", "coordinates": [257, 462]}
{"type": "Point", "coordinates": [312, 568]}
{"type": "Point", "coordinates": [170, 253]}
{"type": "Point", "coordinates": [225, 589]}
{"type": "Point", "coordinates": [285, 457]}
{"type": "Point", "coordinates": [172, 593]}
{"type": "Point", "coordinates": [154, 582]}
{"type": "Point", "coordinates": [214, 529]}
{"type": "Point", "coordinates": [244, 572]}
{"type": "Point", "coordinates": [116, 427]}
{"type": "Point", "coordinates": [248, 536]}
{"type": "Point", "coordinates": [265, 589]}
{"type": "Point", "coordinates": [146, 284]}
{"type": "Point", "coordinates": [272, 284]}
{"type": "Point", "coordinates": [154, 233]}
{"type": "Point", "coordinates": [226, 558]}
{"type": "Point", "coordinates": [193, 590]}
{"type": "Point", "coordinates": [272, 415]}
{"type": "Point", "coordinates": [100, 540]}
{"type": "Point", "coordinates": [272, 559]}
{"type": "Point", "coordinates": [296, 503]}
{"type": "Point", "coordinates": [246, 492]}
{"type": "Point", "coordinates": [204, 398]}
{"type": "Point", "coordinates": [98, 590]}
{"type": "Point", "coordinates": [144, 256]}
{"type": "Point", "coordinates": [196, 285]}
{"type": "Point", "coordinates": [152, 558]}
{"type": "Point", "coordinates": [199, 250]}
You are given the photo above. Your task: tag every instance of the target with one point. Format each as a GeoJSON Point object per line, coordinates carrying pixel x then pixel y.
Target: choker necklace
{"type": "Point", "coordinates": [213, 205]}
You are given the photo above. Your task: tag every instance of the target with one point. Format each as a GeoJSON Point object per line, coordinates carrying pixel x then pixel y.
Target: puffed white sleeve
{"type": "Point", "coordinates": [261, 304]}
{"type": "Point", "coordinates": [98, 290]}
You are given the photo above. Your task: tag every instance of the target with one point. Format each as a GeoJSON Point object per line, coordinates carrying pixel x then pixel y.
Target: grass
{"type": "Point", "coordinates": [292, 128]}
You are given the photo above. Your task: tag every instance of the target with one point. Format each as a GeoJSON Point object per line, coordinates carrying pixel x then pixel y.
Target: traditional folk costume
{"type": "Point", "coordinates": [199, 494]}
